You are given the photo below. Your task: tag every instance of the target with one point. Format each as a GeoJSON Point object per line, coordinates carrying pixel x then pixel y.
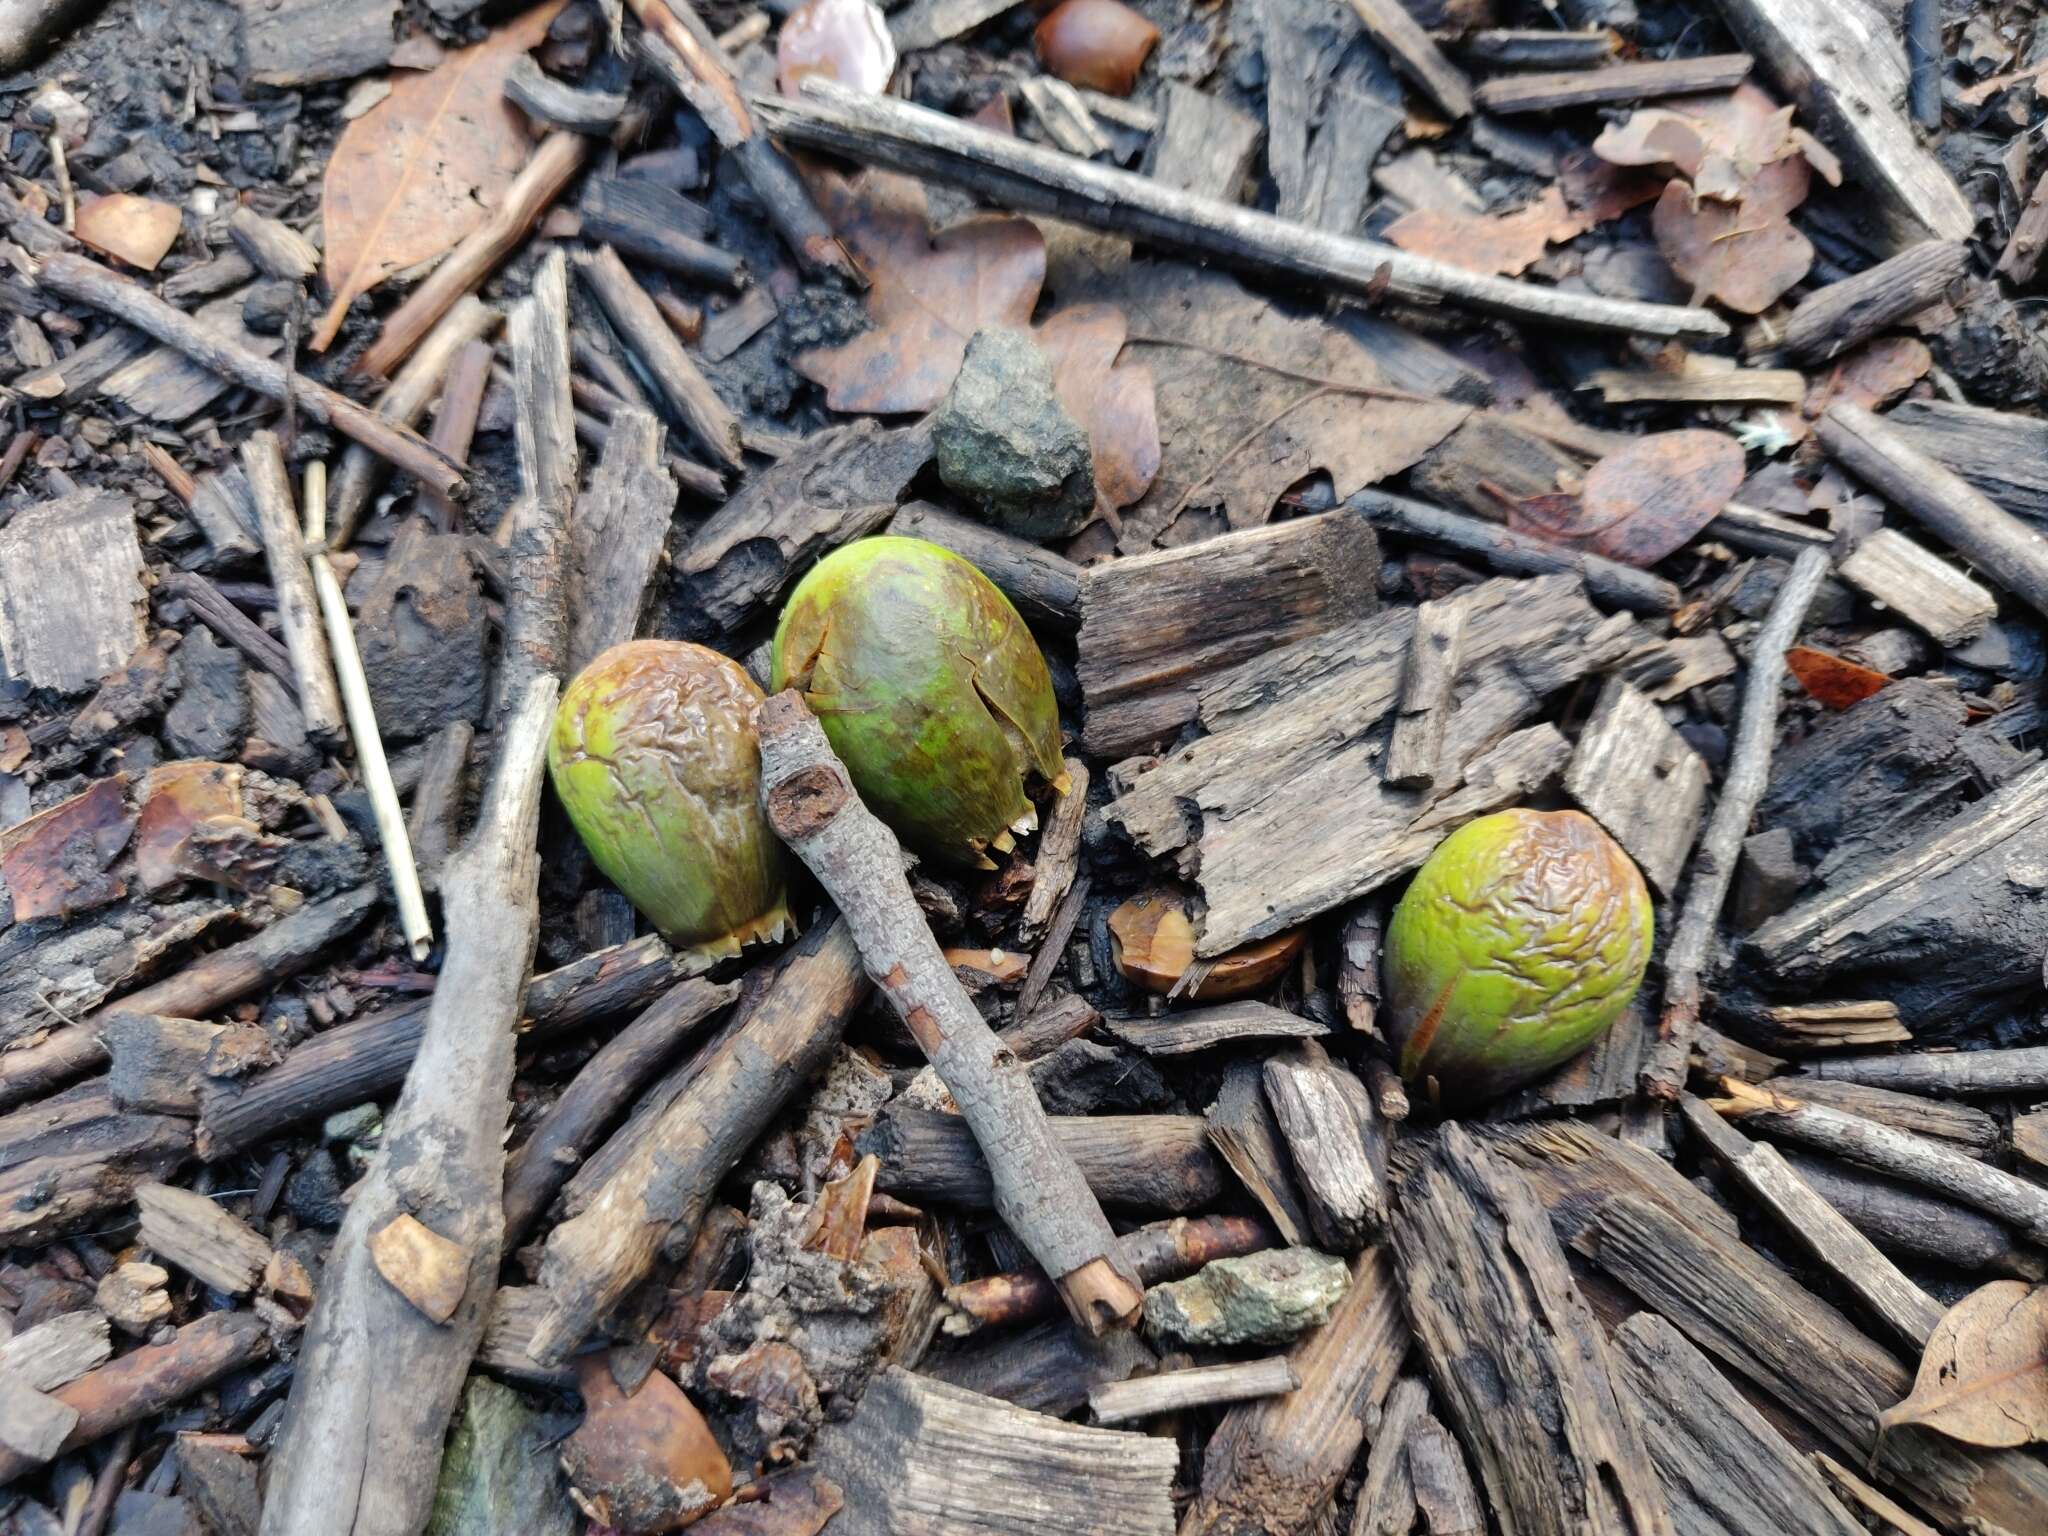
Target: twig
{"type": "Point", "coordinates": [359, 1452]}
{"type": "Point", "coordinates": [362, 724]}
{"type": "Point", "coordinates": [688, 395]}
{"type": "Point", "coordinates": [1924, 61]}
{"type": "Point", "coordinates": [693, 64]}
{"type": "Point", "coordinates": [462, 399]}
{"type": "Point", "coordinates": [1713, 865]}
{"type": "Point", "coordinates": [231, 624]}
{"type": "Point", "coordinates": [107, 1485]}
{"type": "Point", "coordinates": [74, 277]}
{"type": "Point", "coordinates": [297, 608]}
{"type": "Point", "coordinates": [878, 130]}
{"type": "Point", "coordinates": [60, 167]}
{"type": "Point", "coordinates": [360, 474]}
{"type": "Point", "coordinates": [536, 609]}
{"type": "Point", "coordinates": [1039, 1192]}
{"type": "Point", "coordinates": [560, 156]}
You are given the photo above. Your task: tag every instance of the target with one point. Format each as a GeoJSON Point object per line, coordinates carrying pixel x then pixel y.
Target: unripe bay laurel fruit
{"type": "Point", "coordinates": [653, 755]}
{"type": "Point", "coordinates": [1518, 944]}
{"type": "Point", "coordinates": [929, 687]}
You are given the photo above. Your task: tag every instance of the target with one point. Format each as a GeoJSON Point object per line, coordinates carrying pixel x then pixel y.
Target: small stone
{"type": "Point", "coordinates": [212, 710]}
{"type": "Point", "coordinates": [1004, 442]}
{"type": "Point", "coordinates": [269, 306]}
{"type": "Point", "coordinates": [421, 626]}
{"type": "Point", "coordinates": [313, 1192]}
{"type": "Point", "coordinates": [363, 1123]}
{"type": "Point", "coordinates": [1263, 1298]}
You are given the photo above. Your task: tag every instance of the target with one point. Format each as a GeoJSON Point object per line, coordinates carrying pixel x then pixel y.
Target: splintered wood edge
{"type": "Point", "coordinates": [420, 1264]}
{"type": "Point", "coordinates": [1099, 1298]}
{"type": "Point", "coordinates": [1740, 1098]}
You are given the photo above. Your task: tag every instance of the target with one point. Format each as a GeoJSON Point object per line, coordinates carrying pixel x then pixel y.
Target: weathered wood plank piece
{"type": "Point", "coordinates": [1635, 775]}
{"type": "Point", "coordinates": [1279, 812]}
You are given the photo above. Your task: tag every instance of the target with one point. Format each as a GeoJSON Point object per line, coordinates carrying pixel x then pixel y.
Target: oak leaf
{"type": "Point", "coordinates": [1742, 169]}
{"type": "Point", "coordinates": [1252, 400]}
{"type": "Point", "coordinates": [1984, 1376]}
{"type": "Point", "coordinates": [1641, 502]}
{"type": "Point", "coordinates": [930, 292]}
{"type": "Point", "coordinates": [415, 174]}
{"type": "Point", "coordinates": [1497, 244]}
{"type": "Point", "coordinates": [927, 293]}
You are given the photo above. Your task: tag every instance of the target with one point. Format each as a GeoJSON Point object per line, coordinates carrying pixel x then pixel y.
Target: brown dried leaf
{"type": "Point", "coordinates": [137, 230]}
{"type": "Point", "coordinates": [1116, 403]}
{"type": "Point", "coordinates": [1872, 376]}
{"type": "Point", "coordinates": [1599, 190]}
{"type": "Point", "coordinates": [1497, 244]}
{"type": "Point", "coordinates": [420, 170]}
{"type": "Point", "coordinates": [839, 1216]}
{"type": "Point", "coordinates": [1643, 502]}
{"type": "Point", "coordinates": [1984, 1376]}
{"type": "Point", "coordinates": [927, 293]}
{"type": "Point", "coordinates": [1252, 400]}
{"type": "Point", "coordinates": [177, 799]}
{"type": "Point", "coordinates": [796, 1502]}
{"type": "Point", "coordinates": [1745, 254]}
{"type": "Point", "coordinates": [60, 861]}
{"type": "Point", "coordinates": [1834, 680]}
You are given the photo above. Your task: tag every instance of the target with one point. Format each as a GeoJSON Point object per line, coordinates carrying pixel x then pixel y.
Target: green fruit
{"type": "Point", "coordinates": [654, 757]}
{"type": "Point", "coordinates": [1517, 944]}
{"type": "Point", "coordinates": [930, 689]}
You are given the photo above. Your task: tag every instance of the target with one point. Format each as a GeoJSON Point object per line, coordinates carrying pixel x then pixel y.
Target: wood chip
{"type": "Point", "coordinates": [422, 1266]}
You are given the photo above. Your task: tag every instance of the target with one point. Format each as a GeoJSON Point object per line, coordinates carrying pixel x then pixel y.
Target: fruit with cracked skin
{"type": "Point", "coordinates": [654, 756]}
{"type": "Point", "coordinates": [931, 690]}
{"type": "Point", "coordinates": [1518, 944]}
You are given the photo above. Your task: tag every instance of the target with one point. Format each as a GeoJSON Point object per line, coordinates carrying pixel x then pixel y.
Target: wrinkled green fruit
{"type": "Point", "coordinates": [654, 757]}
{"type": "Point", "coordinates": [1518, 943]}
{"type": "Point", "coordinates": [930, 689]}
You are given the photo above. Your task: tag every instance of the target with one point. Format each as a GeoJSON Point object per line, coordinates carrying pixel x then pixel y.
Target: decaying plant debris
{"type": "Point", "coordinates": [1375, 415]}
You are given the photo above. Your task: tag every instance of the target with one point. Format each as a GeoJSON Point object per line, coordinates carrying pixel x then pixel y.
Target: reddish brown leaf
{"type": "Point", "coordinates": [1503, 244]}
{"type": "Point", "coordinates": [1252, 400]}
{"type": "Point", "coordinates": [177, 798]}
{"type": "Point", "coordinates": [138, 230]}
{"type": "Point", "coordinates": [1599, 190]}
{"type": "Point", "coordinates": [60, 861]}
{"type": "Point", "coordinates": [1872, 376]}
{"type": "Point", "coordinates": [839, 1217]}
{"type": "Point", "coordinates": [1835, 681]}
{"type": "Point", "coordinates": [420, 170]}
{"type": "Point", "coordinates": [927, 293]}
{"type": "Point", "coordinates": [1747, 255]}
{"type": "Point", "coordinates": [1116, 403]}
{"type": "Point", "coordinates": [843, 40]}
{"type": "Point", "coordinates": [1643, 502]}
{"type": "Point", "coordinates": [795, 1502]}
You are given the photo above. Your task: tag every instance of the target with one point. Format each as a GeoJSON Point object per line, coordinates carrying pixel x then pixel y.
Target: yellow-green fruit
{"type": "Point", "coordinates": [654, 757]}
{"type": "Point", "coordinates": [929, 687]}
{"type": "Point", "coordinates": [1517, 944]}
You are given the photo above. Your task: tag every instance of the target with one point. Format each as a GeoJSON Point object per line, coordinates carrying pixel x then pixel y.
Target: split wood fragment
{"type": "Point", "coordinates": [688, 395]}
{"type": "Point", "coordinates": [1640, 80]}
{"type": "Point", "coordinates": [1853, 1259]}
{"type": "Point", "coordinates": [1039, 1193]}
{"type": "Point", "coordinates": [298, 607]}
{"type": "Point", "coordinates": [1423, 715]}
{"type": "Point", "coordinates": [75, 277]}
{"type": "Point", "coordinates": [544, 423]}
{"type": "Point", "coordinates": [1142, 1397]}
{"type": "Point", "coordinates": [1028, 177]}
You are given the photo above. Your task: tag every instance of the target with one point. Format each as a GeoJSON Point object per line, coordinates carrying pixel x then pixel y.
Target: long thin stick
{"type": "Point", "coordinates": [74, 277]}
{"type": "Point", "coordinates": [362, 723]}
{"type": "Point", "coordinates": [878, 130]}
{"type": "Point", "coordinates": [1713, 866]}
{"type": "Point", "coordinates": [1039, 1192]}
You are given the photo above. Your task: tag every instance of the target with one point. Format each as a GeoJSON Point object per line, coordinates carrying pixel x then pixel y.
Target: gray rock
{"type": "Point", "coordinates": [268, 306]}
{"type": "Point", "coordinates": [212, 710]}
{"type": "Point", "coordinates": [1004, 442]}
{"type": "Point", "coordinates": [365, 1122]}
{"type": "Point", "coordinates": [313, 1192]}
{"type": "Point", "coordinates": [1262, 1298]}
{"type": "Point", "coordinates": [501, 1472]}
